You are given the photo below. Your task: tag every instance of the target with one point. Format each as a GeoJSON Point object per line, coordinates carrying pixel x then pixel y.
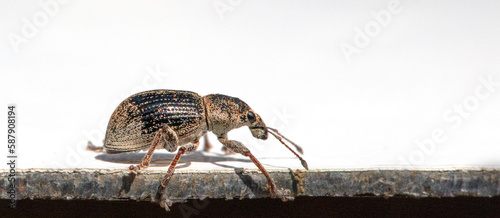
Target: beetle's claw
{"type": "Point", "coordinates": [165, 202]}
{"type": "Point", "coordinates": [284, 195]}
{"type": "Point", "coordinates": [134, 168]}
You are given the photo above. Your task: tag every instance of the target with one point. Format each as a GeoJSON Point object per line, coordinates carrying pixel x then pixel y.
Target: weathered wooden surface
{"type": "Point", "coordinates": [122, 185]}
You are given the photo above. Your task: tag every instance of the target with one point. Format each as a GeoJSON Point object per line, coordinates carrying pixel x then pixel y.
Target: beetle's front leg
{"type": "Point", "coordinates": [207, 146]}
{"type": "Point", "coordinates": [238, 147]}
{"type": "Point", "coordinates": [171, 141]}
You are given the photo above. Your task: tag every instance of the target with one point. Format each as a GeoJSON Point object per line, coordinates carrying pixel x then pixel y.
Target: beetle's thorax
{"type": "Point", "coordinates": [224, 113]}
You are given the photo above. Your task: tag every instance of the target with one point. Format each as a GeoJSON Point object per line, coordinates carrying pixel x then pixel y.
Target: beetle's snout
{"type": "Point", "coordinates": [257, 125]}
{"type": "Point", "coordinates": [259, 132]}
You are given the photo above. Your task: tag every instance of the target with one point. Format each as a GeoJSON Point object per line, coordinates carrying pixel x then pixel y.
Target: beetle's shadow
{"type": "Point", "coordinates": [164, 159]}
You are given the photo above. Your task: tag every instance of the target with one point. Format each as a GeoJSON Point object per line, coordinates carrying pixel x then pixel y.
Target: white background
{"type": "Point", "coordinates": [67, 65]}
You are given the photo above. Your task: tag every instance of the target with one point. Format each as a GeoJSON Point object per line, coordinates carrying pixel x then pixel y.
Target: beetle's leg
{"type": "Point", "coordinates": [187, 149]}
{"type": "Point", "coordinates": [191, 147]}
{"type": "Point", "coordinates": [147, 158]}
{"type": "Point", "coordinates": [206, 144]}
{"type": "Point", "coordinates": [165, 202]}
{"type": "Point", "coordinates": [227, 151]}
{"type": "Point", "coordinates": [238, 147]}
{"type": "Point", "coordinates": [170, 140]}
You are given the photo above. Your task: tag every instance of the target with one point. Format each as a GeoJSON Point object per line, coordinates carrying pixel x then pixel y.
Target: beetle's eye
{"type": "Point", "coordinates": [251, 116]}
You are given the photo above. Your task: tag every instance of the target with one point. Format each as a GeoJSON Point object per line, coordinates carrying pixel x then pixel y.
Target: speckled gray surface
{"type": "Point", "coordinates": [123, 185]}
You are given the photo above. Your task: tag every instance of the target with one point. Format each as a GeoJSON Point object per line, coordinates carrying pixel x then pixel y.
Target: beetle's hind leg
{"type": "Point", "coordinates": [171, 141]}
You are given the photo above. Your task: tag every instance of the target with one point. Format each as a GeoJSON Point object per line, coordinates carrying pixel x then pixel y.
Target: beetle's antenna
{"type": "Point", "coordinates": [277, 135]}
{"type": "Point", "coordinates": [299, 149]}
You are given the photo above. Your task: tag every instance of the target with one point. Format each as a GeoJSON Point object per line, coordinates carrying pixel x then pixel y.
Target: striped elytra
{"type": "Point", "coordinates": [136, 120]}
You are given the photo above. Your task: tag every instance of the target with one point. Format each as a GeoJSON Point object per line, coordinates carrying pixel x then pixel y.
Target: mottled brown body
{"type": "Point", "coordinates": [172, 119]}
{"type": "Point", "coordinates": [136, 120]}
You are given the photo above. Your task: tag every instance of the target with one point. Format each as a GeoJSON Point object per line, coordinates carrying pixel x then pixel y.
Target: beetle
{"type": "Point", "coordinates": [172, 119]}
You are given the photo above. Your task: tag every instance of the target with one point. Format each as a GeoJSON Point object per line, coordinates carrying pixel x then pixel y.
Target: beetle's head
{"type": "Point", "coordinates": [225, 113]}
{"type": "Point", "coordinates": [256, 125]}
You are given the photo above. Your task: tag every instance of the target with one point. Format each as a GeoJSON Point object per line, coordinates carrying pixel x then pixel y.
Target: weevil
{"type": "Point", "coordinates": [176, 120]}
